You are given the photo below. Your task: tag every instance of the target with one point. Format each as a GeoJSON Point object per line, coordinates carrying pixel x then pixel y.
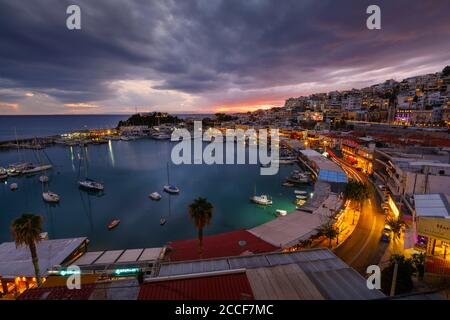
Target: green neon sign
{"type": "Point", "coordinates": [126, 271]}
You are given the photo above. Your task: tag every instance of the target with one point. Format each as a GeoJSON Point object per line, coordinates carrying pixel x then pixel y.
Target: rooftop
{"type": "Point", "coordinates": [232, 243]}
{"type": "Point", "coordinates": [432, 205]}
{"type": "Point", "coordinates": [299, 225]}
{"type": "Point", "coordinates": [315, 274]}
{"type": "Point", "coordinates": [16, 261]}
{"type": "Point", "coordinates": [328, 170]}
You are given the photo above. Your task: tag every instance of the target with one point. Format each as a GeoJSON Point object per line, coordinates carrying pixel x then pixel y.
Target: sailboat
{"type": "Point", "coordinates": [170, 188]}
{"type": "Point", "coordinates": [50, 197]}
{"type": "Point", "coordinates": [87, 183]}
{"type": "Point", "coordinates": [262, 199]}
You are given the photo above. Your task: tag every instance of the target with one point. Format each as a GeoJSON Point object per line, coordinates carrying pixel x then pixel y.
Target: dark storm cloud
{"type": "Point", "coordinates": [204, 47]}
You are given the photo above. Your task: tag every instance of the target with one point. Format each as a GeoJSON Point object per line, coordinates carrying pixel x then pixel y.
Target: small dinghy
{"type": "Point", "coordinates": [281, 213]}
{"type": "Point", "coordinates": [155, 196]}
{"type": "Point", "coordinates": [288, 184]}
{"type": "Point", "coordinates": [43, 179]}
{"type": "Point", "coordinates": [301, 197]}
{"type": "Point", "coordinates": [113, 224]}
{"type": "Point", "coordinates": [162, 221]}
{"type": "Point", "coordinates": [14, 186]}
{"type": "Point", "coordinates": [300, 192]}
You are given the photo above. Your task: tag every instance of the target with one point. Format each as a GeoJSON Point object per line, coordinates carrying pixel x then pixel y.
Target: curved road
{"type": "Point", "coordinates": [363, 247]}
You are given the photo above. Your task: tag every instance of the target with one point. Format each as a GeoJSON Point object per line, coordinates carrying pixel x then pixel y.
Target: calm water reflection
{"type": "Point", "coordinates": [130, 171]}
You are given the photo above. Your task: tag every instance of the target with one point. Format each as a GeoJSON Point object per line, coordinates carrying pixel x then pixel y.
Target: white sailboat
{"type": "Point", "coordinates": [31, 168]}
{"type": "Point", "coordinates": [50, 197]}
{"type": "Point", "coordinates": [172, 189]}
{"type": "Point", "coordinates": [86, 183]}
{"type": "Point", "coordinates": [263, 199]}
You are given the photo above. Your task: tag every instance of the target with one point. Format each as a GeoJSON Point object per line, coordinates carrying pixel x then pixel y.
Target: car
{"type": "Point", "coordinates": [386, 237]}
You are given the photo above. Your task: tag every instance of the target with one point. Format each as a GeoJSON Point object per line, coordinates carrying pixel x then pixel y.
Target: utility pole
{"type": "Point", "coordinates": [394, 279]}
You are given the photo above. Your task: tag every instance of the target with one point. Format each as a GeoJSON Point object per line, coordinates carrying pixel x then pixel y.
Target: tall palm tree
{"type": "Point", "coordinates": [201, 212]}
{"type": "Point", "coordinates": [26, 231]}
{"type": "Point", "coordinates": [357, 191]}
{"type": "Point", "coordinates": [396, 225]}
{"type": "Point", "coordinates": [329, 231]}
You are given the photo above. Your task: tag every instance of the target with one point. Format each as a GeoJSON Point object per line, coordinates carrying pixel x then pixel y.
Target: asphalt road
{"type": "Point", "coordinates": [363, 247]}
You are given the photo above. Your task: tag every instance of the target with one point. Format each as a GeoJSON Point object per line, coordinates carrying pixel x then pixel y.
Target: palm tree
{"type": "Point", "coordinates": [201, 212]}
{"type": "Point", "coordinates": [26, 231]}
{"type": "Point", "coordinates": [358, 191]}
{"type": "Point", "coordinates": [396, 226]}
{"type": "Point", "coordinates": [329, 231]}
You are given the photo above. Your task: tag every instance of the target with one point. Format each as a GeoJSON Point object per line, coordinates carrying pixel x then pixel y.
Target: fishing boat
{"type": "Point", "coordinates": [155, 196]}
{"type": "Point", "coordinates": [171, 189]}
{"type": "Point", "coordinates": [281, 213]}
{"type": "Point", "coordinates": [113, 224]}
{"type": "Point", "coordinates": [43, 179]}
{"type": "Point", "coordinates": [91, 184]}
{"type": "Point", "coordinates": [162, 221]}
{"type": "Point", "coordinates": [50, 197]}
{"type": "Point", "coordinates": [262, 200]}
{"type": "Point", "coordinates": [31, 168]}
{"type": "Point", "coordinates": [301, 192]}
{"type": "Point", "coordinates": [14, 186]}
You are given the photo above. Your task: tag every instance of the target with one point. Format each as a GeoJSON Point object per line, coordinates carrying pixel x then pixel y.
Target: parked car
{"type": "Point", "coordinates": [386, 237]}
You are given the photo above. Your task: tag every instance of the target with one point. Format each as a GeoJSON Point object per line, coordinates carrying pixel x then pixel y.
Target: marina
{"type": "Point", "coordinates": [130, 171]}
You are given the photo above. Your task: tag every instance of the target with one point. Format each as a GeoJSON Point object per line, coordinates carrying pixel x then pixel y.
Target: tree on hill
{"type": "Point", "coordinates": [446, 71]}
{"type": "Point", "coordinates": [151, 119]}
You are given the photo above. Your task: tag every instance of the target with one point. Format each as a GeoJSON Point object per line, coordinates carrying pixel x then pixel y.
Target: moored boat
{"type": "Point", "coordinates": [113, 224]}
{"type": "Point", "coordinates": [300, 192]}
{"type": "Point", "coordinates": [3, 173]}
{"type": "Point", "coordinates": [14, 186]}
{"type": "Point", "coordinates": [171, 189]}
{"type": "Point", "coordinates": [91, 185]}
{"type": "Point", "coordinates": [43, 179]}
{"type": "Point", "coordinates": [50, 197]}
{"type": "Point", "coordinates": [281, 213]}
{"type": "Point", "coordinates": [162, 221]}
{"type": "Point", "coordinates": [262, 200]}
{"type": "Point", "coordinates": [155, 196]}
{"type": "Point", "coordinates": [31, 168]}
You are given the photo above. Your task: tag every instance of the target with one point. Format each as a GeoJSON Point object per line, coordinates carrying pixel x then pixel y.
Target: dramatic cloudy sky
{"type": "Point", "coordinates": [211, 55]}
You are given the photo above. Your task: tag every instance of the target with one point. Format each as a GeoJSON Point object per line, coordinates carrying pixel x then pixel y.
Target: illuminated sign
{"type": "Point", "coordinates": [126, 271]}
{"type": "Point", "coordinates": [434, 227]}
{"type": "Point", "coordinates": [68, 272]}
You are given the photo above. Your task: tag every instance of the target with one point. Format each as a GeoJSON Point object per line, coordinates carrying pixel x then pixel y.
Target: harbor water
{"type": "Point", "coordinates": [131, 170]}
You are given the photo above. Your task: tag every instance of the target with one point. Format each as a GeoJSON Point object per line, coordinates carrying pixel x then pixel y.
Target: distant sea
{"type": "Point", "coordinates": [47, 125]}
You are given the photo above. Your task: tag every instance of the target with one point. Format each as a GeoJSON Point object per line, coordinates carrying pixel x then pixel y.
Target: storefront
{"type": "Point", "coordinates": [432, 225]}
